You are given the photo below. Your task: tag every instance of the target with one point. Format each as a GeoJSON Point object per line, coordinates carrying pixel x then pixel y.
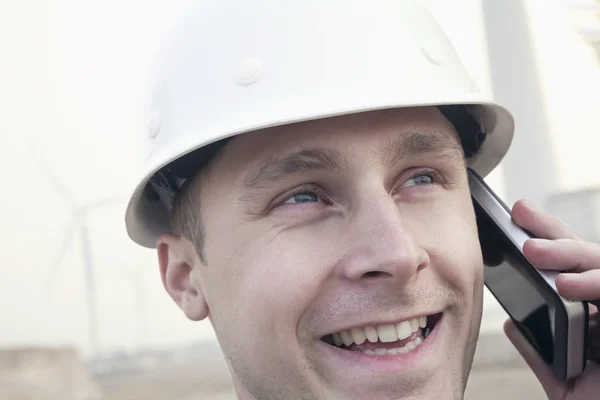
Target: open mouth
{"type": "Point", "coordinates": [385, 340]}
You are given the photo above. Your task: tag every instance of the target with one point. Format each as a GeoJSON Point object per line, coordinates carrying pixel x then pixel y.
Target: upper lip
{"type": "Point", "coordinates": [381, 322]}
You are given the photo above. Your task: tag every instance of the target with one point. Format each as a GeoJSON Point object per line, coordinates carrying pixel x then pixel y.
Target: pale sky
{"type": "Point", "coordinates": [72, 86]}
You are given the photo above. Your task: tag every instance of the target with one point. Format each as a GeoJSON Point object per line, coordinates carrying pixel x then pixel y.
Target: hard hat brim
{"type": "Point", "coordinates": [146, 220]}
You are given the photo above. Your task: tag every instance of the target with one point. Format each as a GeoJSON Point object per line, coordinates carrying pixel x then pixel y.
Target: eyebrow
{"type": "Point", "coordinates": [409, 145]}
{"type": "Point", "coordinates": [303, 161]}
{"type": "Point", "coordinates": [416, 144]}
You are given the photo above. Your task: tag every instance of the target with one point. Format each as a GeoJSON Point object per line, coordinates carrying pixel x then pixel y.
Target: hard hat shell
{"type": "Point", "coordinates": [236, 66]}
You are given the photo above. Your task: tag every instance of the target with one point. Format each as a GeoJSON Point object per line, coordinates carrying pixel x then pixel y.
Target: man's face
{"type": "Point", "coordinates": [346, 229]}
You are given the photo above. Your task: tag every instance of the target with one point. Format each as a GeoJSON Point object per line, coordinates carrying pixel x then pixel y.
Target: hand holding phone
{"type": "Point", "coordinates": [554, 326]}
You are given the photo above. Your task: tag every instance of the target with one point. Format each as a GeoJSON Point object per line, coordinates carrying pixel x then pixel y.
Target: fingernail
{"type": "Point", "coordinates": [568, 275]}
{"type": "Point", "coordinates": [541, 242]}
{"type": "Point", "coordinates": [529, 204]}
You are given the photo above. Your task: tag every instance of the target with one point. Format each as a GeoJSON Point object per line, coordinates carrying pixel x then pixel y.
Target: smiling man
{"type": "Point", "coordinates": [307, 193]}
{"type": "Point", "coordinates": [345, 260]}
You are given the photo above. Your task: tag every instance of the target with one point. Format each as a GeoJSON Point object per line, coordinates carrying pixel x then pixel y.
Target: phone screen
{"type": "Point", "coordinates": [516, 286]}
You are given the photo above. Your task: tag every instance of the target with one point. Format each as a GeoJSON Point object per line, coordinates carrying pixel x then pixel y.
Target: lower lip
{"type": "Point", "coordinates": [386, 364]}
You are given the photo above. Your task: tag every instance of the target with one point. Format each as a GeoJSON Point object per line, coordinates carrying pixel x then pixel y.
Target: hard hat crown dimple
{"type": "Point", "coordinates": [249, 71]}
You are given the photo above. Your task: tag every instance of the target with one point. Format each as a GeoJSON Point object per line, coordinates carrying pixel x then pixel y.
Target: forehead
{"type": "Point", "coordinates": [361, 132]}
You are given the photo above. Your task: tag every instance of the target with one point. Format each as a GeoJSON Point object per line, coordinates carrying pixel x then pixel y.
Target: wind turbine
{"type": "Point", "coordinates": [77, 225]}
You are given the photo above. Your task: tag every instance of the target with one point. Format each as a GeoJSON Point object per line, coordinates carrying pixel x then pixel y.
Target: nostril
{"type": "Point", "coordinates": [372, 274]}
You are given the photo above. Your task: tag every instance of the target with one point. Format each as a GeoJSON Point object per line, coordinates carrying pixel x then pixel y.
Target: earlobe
{"type": "Point", "coordinates": [176, 263]}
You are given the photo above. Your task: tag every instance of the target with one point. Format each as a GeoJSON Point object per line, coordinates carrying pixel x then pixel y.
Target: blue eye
{"type": "Point", "coordinates": [419, 180]}
{"type": "Point", "coordinates": [303, 197]}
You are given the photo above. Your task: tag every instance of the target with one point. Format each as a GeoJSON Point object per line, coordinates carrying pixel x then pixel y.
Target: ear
{"type": "Point", "coordinates": [177, 258]}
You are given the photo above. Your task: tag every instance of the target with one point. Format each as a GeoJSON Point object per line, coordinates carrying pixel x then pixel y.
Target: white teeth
{"type": "Point", "coordinates": [383, 333]}
{"type": "Point", "coordinates": [337, 339]}
{"type": "Point", "coordinates": [414, 325]}
{"type": "Point", "coordinates": [358, 335]}
{"type": "Point", "coordinates": [403, 330]}
{"type": "Point", "coordinates": [410, 346]}
{"type": "Point", "coordinates": [371, 334]}
{"type": "Point", "coordinates": [387, 333]}
{"type": "Point", "coordinates": [347, 338]}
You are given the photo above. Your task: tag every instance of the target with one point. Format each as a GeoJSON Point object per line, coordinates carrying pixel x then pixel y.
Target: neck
{"type": "Point", "coordinates": [240, 391]}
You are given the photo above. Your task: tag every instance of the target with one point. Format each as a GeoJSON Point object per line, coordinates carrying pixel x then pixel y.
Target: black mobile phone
{"type": "Point", "coordinates": [556, 327]}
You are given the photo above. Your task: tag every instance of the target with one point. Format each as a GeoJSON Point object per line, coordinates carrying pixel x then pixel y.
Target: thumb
{"type": "Point", "coordinates": [554, 388]}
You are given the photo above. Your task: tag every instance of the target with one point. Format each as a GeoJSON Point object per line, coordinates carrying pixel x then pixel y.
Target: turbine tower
{"type": "Point", "coordinates": [77, 225]}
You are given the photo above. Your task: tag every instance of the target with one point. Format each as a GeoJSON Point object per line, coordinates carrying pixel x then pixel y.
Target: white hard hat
{"type": "Point", "coordinates": [235, 66]}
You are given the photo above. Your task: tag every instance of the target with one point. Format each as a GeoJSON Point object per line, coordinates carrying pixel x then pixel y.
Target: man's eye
{"type": "Point", "coordinates": [422, 179]}
{"type": "Point", "coordinates": [303, 197]}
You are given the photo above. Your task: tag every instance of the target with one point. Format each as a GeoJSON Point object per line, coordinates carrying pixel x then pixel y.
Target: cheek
{"type": "Point", "coordinates": [448, 233]}
{"type": "Point", "coordinates": [269, 282]}
{"type": "Point", "coordinates": [286, 275]}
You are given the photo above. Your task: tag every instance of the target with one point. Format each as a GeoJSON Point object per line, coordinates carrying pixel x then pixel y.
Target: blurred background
{"type": "Point", "coordinates": [82, 311]}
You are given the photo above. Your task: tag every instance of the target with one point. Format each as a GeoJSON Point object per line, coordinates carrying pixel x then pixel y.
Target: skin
{"type": "Point", "coordinates": [292, 257]}
{"type": "Point", "coordinates": [559, 248]}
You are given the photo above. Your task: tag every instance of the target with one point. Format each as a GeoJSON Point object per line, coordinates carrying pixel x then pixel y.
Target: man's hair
{"type": "Point", "coordinates": [186, 215]}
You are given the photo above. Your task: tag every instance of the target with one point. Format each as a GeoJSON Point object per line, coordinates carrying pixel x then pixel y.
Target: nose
{"type": "Point", "coordinates": [378, 244]}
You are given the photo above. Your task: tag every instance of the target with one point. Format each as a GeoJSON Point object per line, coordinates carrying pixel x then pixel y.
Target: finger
{"type": "Point", "coordinates": [562, 254]}
{"type": "Point", "coordinates": [539, 223]}
{"type": "Point", "coordinates": [584, 286]}
{"type": "Point", "coordinates": [551, 384]}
